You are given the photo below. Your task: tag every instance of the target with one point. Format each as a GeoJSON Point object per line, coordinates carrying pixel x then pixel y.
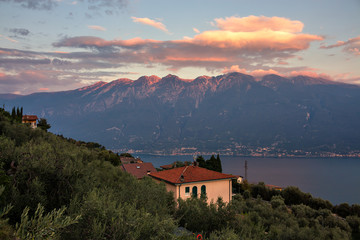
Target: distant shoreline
{"type": "Point", "coordinates": [249, 156]}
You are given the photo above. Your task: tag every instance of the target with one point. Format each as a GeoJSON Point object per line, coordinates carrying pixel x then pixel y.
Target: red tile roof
{"type": "Point", "coordinates": [168, 166]}
{"type": "Point", "coordinates": [29, 118]}
{"type": "Point", "coordinates": [190, 174]}
{"type": "Point", "coordinates": [139, 170]}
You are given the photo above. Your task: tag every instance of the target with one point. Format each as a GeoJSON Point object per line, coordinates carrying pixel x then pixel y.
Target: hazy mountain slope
{"type": "Point", "coordinates": [226, 113]}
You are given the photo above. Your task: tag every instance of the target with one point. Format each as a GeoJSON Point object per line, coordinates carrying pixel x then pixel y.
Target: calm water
{"type": "Point", "coordinates": [334, 179]}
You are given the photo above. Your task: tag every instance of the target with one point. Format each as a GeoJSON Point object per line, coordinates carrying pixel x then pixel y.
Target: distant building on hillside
{"type": "Point", "coordinates": [30, 119]}
{"type": "Point", "coordinates": [127, 160]}
{"type": "Point", "coordinates": [167, 166]}
{"type": "Point", "coordinates": [139, 170]}
{"type": "Point", "coordinates": [189, 181]}
{"type": "Point", "coordinates": [274, 187]}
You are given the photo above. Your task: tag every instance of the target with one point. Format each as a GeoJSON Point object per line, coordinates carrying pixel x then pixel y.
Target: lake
{"type": "Point", "coordinates": [334, 179]}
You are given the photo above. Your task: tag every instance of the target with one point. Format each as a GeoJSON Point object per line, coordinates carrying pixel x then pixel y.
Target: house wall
{"type": "Point", "coordinates": [32, 123]}
{"type": "Point", "coordinates": [214, 189]}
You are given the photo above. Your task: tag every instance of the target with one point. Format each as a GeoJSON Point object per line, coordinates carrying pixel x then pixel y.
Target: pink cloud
{"type": "Point", "coordinates": [9, 39]}
{"type": "Point", "coordinates": [310, 74]}
{"type": "Point", "coordinates": [254, 43]}
{"type": "Point", "coordinates": [351, 46]}
{"type": "Point", "coordinates": [255, 23]}
{"type": "Point", "coordinates": [150, 22]}
{"type": "Point", "coordinates": [30, 81]}
{"type": "Point", "coordinates": [261, 45]}
{"type": "Point", "coordinates": [61, 52]}
{"type": "Point", "coordinates": [255, 73]}
{"type": "Point", "coordinates": [196, 59]}
{"type": "Point", "coordinates": [97, 28]}
{"type": "Point", "coordinates": [196, 30]}
{"type": "Point", "coordinates": [258, 73]}
{"type": "Point", "coordinates": [259, 40]}
{"type": "Point", "coordinates": [44, 89]}
{"type": "Point", "coordinates": [89, 41]}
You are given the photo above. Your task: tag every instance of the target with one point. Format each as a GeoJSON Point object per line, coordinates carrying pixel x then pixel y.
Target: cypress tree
{"type": "Point", "coordinates": [13, 113]}
{"type": "Point", "coordinates": [211, 163]}
{"type": "Point", "coordinates": [201, 161]}
{"type": "Point", "coordinates": [218, 162]}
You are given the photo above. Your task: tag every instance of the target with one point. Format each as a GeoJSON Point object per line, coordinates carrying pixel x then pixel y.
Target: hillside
{"type": "Point", "coordinates": [229, 114]}
{"type": "Point", "coordinates": [56, 188]}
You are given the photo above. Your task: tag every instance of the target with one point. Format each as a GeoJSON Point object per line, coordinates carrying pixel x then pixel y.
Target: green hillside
{"type": "Point", "coordinates": [57, 188]}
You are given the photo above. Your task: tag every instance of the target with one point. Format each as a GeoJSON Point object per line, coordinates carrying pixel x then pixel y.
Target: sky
{"type": "Point", "coordinates": [57, 45]}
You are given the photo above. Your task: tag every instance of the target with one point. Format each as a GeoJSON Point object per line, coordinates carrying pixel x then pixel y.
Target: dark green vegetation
{"type": "Point", "coordinates": [78, 192]}
{"type": "Point", "coordinates": [231, 113]}
{"type": "Point", "coordinates": [57, 188]}
{"type": "Point", "coordinates": [211, 164]}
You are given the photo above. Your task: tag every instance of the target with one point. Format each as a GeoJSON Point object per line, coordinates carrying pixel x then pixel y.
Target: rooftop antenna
{"type": "Point", "coordinates": [246, 168]}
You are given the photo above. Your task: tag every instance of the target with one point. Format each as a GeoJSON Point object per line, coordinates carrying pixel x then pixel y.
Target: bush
{"type": "Point", "coordinates": [293, 196]}
{"type": "Point", "coordinates": [343, 210]}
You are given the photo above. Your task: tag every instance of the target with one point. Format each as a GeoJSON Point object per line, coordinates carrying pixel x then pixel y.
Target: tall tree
{"type": "Point", "coordinates": [218, 163]}
{"type": "Point", "coordinates": [201, 161]}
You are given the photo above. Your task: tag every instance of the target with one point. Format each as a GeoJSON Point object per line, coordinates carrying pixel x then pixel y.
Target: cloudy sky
{"type": "Point", "coordinates": [53, 45]}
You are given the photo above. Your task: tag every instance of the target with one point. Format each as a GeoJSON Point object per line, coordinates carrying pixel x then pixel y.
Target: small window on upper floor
{"type": "Point", "coordinates": [187, 191]}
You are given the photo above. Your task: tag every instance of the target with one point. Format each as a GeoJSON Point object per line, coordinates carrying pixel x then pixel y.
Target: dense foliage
{"type": "Point", "coordinates": [52, 187]}
{"type": "Point", "coordinates": [211, 164]}
{"type": "Point", "coordinates": [74, 187]}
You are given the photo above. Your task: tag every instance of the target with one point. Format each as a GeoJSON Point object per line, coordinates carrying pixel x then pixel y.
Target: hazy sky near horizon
{"type": "Point", "coordinates": [54, 45]}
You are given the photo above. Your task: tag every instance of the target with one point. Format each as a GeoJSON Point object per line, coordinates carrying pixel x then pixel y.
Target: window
{"type": "Point", "coordinates": [203, 191]}
{"type": "Point", "coordinates": [187, 191]}
{"type": "Point", "coordinates": [194, 191]}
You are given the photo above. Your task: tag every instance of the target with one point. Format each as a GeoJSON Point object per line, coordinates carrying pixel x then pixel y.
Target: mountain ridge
{"type": "Point", "coordinates": [232, 113]}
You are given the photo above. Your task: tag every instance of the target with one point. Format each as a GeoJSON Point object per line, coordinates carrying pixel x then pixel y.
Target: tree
{"type": "Point", "coordinates": [43, 226]}
{"type": "Point", "coordinates": [43, 124]}
{"type": "Point", "coordinates": [16, 114]}
{"type": "Point", "coordinates": [126, 155]}
{"type": "Point", "coordinates": [211, 164]}
{"type": "Point", "coordinates": [218, 163]}
{"type": "Point", "coordinates": [201, 161]}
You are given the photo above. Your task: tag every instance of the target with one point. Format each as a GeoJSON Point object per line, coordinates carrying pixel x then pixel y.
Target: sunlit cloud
{"type": "Point", "coordinates": [96, 27]}
{"type": "Point", "coordinates": [196, 30]}
{"type": "Point", "coordinates": [255, 73]}
{"type": "Point", "coordinates": [213, 49]}
{"type": "Point", "coordinates": [43, 89]}
{"type": "Point", "coordinates": [252, 45]}
{"type": "Point", "coordinates": [9, 39]}
{"type": "Point", "coordinates": [351, 46]}
{"type": "Point", "coordinates": [255, 23]}
{"type": "Point", "coordinates": [259, 40]}
{"type": "Point", "coordinates": [150, 22]}
{"type": "Point", "coordinates": [312, 74]}
{"type": "Point", "coordinates": [89, 41]}
{"type": "Point", "coordinates": [259, 73]}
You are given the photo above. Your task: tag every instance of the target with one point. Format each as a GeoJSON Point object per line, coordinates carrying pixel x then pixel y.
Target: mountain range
{"type": "Point", "coordinates": [228, 114]}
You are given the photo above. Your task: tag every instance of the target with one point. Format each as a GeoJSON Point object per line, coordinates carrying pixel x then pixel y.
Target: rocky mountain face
{"type": "Point", "coordinates": [232, 113]}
